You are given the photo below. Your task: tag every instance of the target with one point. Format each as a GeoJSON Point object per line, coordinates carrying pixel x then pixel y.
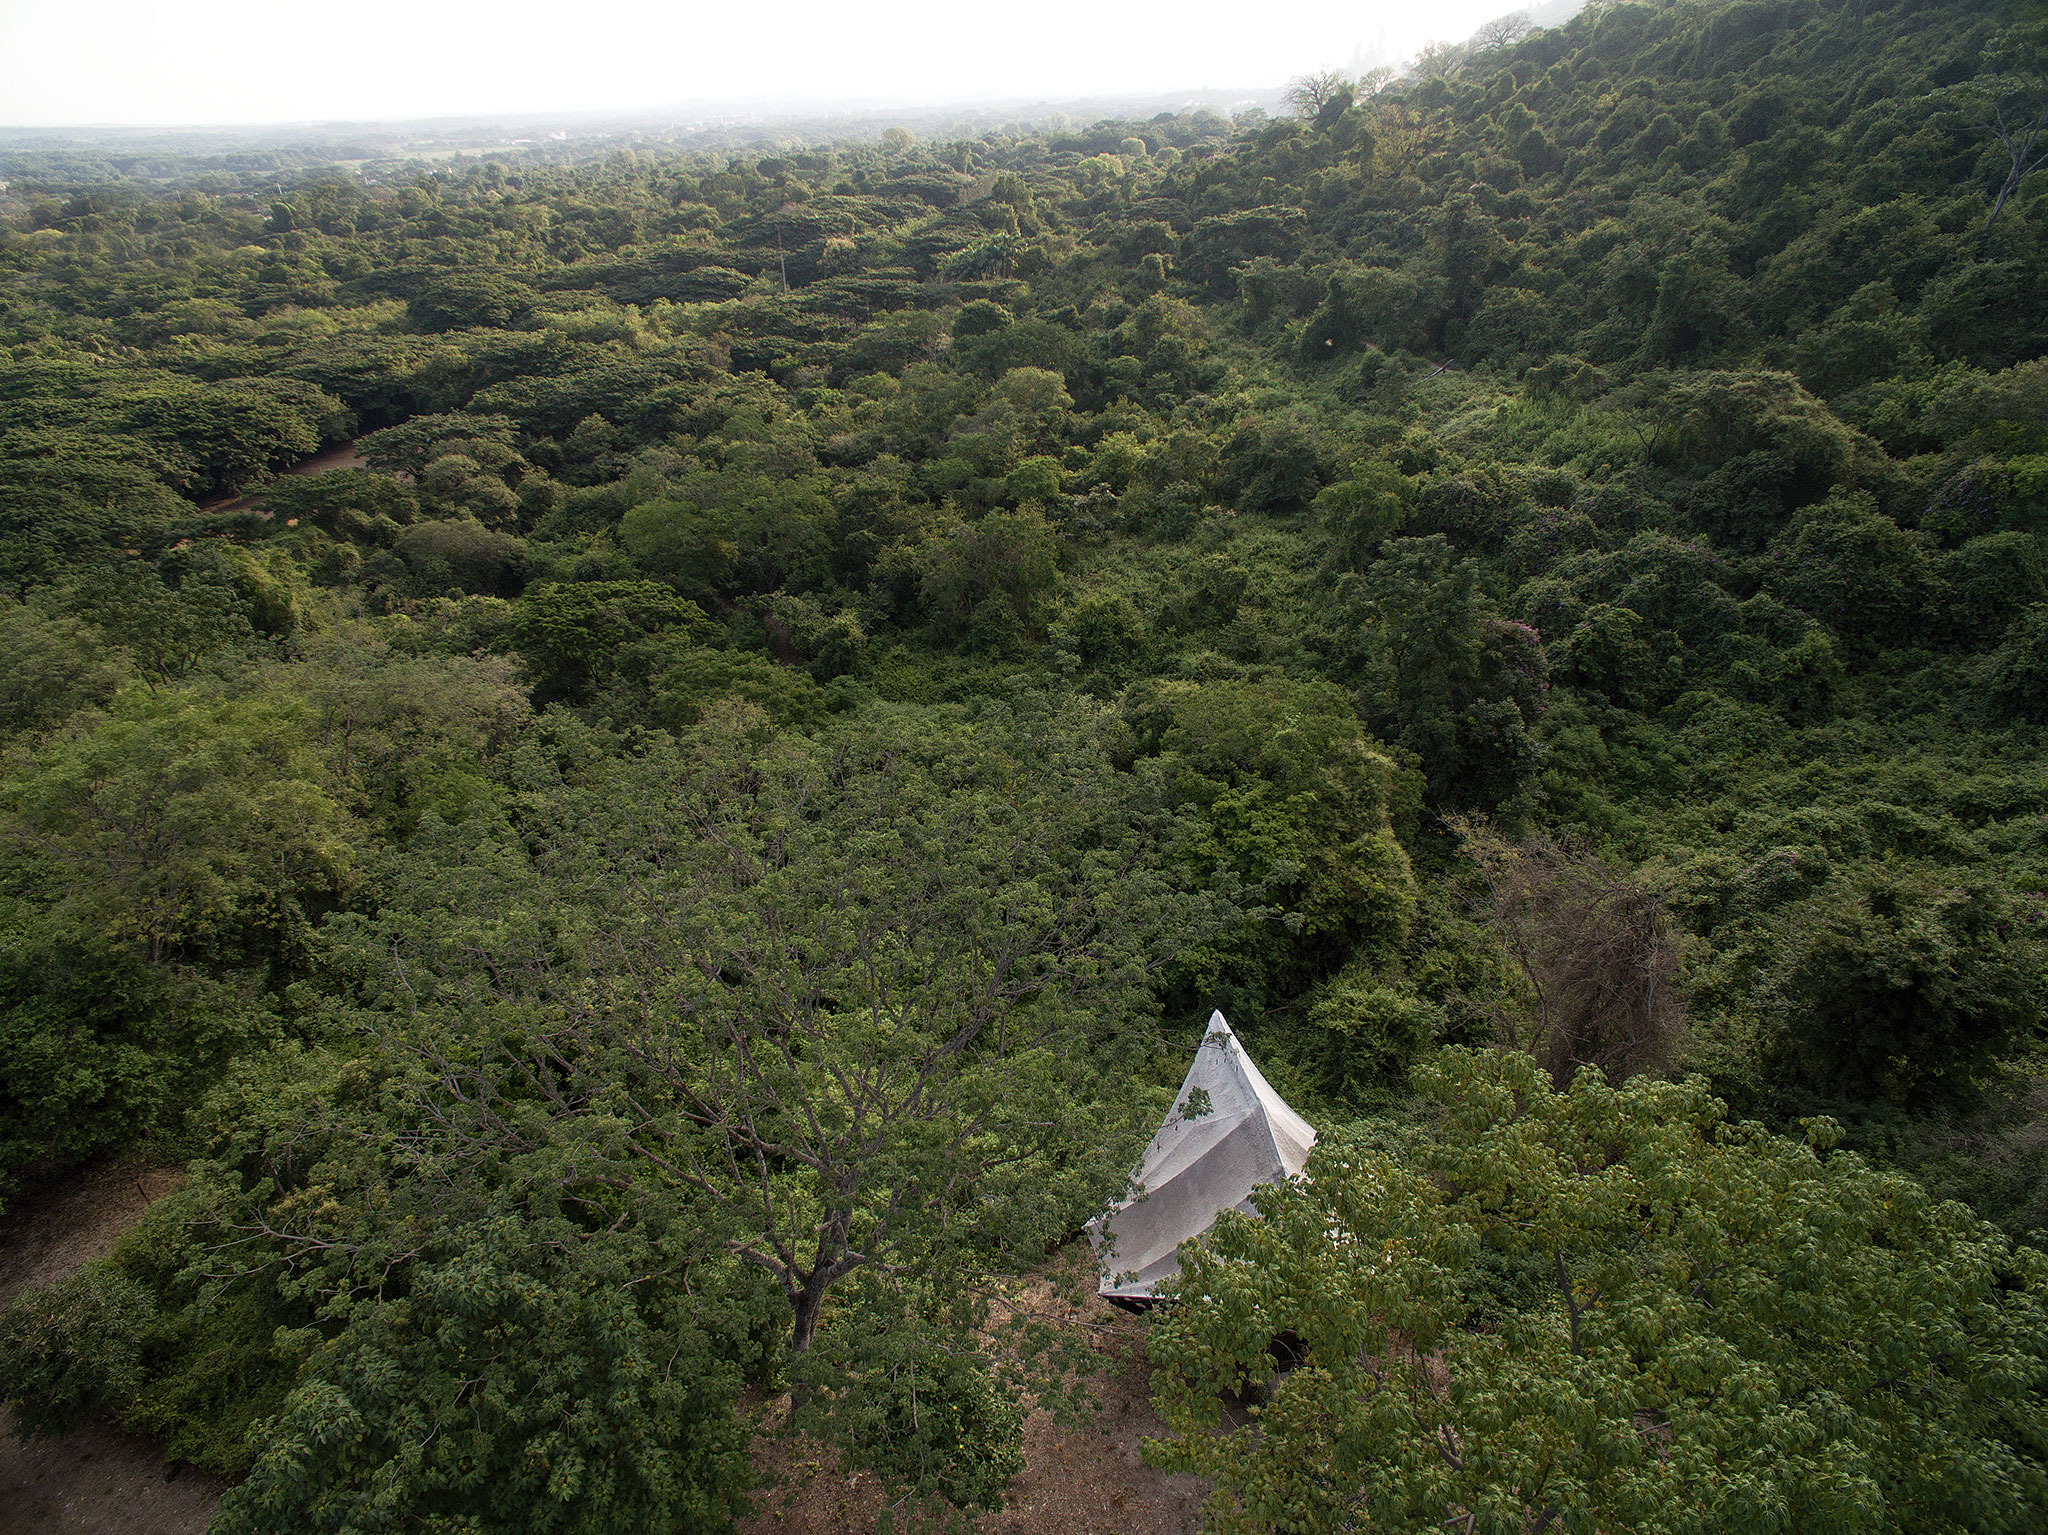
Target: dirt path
{"type": "Point", "coordinates": [95, 1480]}
{"type": "Point", "coordinates": [98, 1481]}
{"type": "Point", "coordinates": [50, 1230]}
{"type": "Point", "coordinates": [342, 455]}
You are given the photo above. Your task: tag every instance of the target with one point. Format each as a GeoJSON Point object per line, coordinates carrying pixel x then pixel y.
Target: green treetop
{"type": "Point", "coordinates": [1605, 1309]}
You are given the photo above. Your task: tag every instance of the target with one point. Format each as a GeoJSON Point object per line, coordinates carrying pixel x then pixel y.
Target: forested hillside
{"type": "Point", "coordinates": [700, 851]}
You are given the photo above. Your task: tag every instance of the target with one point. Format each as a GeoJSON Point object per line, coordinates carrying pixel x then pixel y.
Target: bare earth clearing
{"type": "Point", "coordinates": [100, 1481]}
{"type": "Point", "coordinates": [340, 456]}
{"type": "Point", "coordinates": [1074, 1482]}
{"type": "Point", "coordinates": [95, 1480]}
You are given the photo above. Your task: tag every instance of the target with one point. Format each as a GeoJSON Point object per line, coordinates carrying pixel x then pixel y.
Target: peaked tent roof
{"type": "Point", "coordinates": [1198, 1167]}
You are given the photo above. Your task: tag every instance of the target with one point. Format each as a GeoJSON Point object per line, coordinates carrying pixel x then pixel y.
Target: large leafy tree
{"type": "Point", "coordinates": [876, 998]}
{"type": "Point", "coordinates": [1294, 807]}
{"type": "Point", "coordinates": [1445, 676]}
{"type": "Point", "coordinates": [1607, 1308]}
{"type": "Point", "coordinates": [157, 861]}
{"type": "Point", "coordinates": [434, 1339]}
{"type": "Point", "coordinates": [524, 1373]}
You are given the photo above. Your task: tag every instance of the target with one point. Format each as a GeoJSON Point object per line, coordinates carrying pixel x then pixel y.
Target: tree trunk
{"type": "Point", "coordinates": [827, 1264]}
{"type": "Point", "coordinates": [806, 1304]}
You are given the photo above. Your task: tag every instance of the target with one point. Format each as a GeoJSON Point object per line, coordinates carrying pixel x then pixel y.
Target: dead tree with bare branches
{"type": "Point", "coordinates": [1596, 951]}
{"type": "Point", "coordinates": [1501, 32]}
{"type": "Point", "coordinates": [1311, 95]}
{"type": "Point", "coordinates": [2026, 145]}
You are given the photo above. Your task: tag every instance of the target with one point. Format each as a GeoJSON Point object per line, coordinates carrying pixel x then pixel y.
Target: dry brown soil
{"type": "Point", "coordinates": [100, 1481]}
{"type": "Point", "coordinates": [95, 1480]}
{"type": "Point", "coordinates": [341, 456]}
{"type": "Point", "coordinates": [1076, 1481]}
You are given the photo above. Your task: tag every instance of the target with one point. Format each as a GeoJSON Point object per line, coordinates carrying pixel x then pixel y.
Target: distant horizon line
{"type": "Point", "coordinates": [741, 112]}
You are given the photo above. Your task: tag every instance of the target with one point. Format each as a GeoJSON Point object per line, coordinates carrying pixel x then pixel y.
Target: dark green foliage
{"type": "Point", "coordinates": [64, 502]}
{"type": "Point", "coordinates": [458, 555]}
{"type": "Point", "coordinates": [484, 299]}
{"type": "Point", "coordinates": [512, 1388]}
{"type": "Point", "coordinates": [884, 613]}
{"type": "Point", "coordinates": [73, 1348]}
{"type": "Point", "coordinates": [102, 1049]}
{"type": "Point", "coordinates": [1294, 806]}
{"type": "Point", "coordinates": [914, 1407]}
{"type": "Point", "coordinates": [167, 627]}
{"type": "Point", "coordinates": [1447, 678]}
{"type": "Point", "coordinates": [682, 682]}
{"type": "Point", "coordinates": [365, 509]}
{"type": "Point", "coordinates": [2019, 667]}
{"type": "Point", "coordinates": [984, 580]}
{"type": "Point", "coordinates": [1855, 570]}
{"type": "Point", "coordinates": [1365, 508]}
{"type": "Point", "coordinates": [1908, 988]}
{"type": "Point", "coordinates": [1273, 464]}
{"type": "Point", "coordinates": [571, 634]}
{"type": "Point", "coordinates": [1364, 1036]}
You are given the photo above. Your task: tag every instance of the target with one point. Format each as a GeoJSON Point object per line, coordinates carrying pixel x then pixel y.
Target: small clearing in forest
{"type": "Point", "coordinates": [94, 1480]}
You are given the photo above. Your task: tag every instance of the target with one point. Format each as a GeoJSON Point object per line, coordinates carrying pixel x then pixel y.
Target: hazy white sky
{"type": "Point", "coordinates": [226, 61]}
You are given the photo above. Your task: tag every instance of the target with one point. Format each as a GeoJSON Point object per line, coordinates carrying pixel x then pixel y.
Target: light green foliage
{"type": "Point", "coordinates": [1606, 1308]}
{"type": "Point", "coordinates": [152, 858]}
{"type": "Point", "coordinates": [686, 681]}
{"type": "Point", "coordinates": [51, 665]}
{"type": "Point", "coordinates": [401, 733]}
{"type": "Point", "coordinates": [1294, 805]}
{"type": "Point", "coordinates": [174, 822]}
{"type": "Point", "coordinates": [1365, 508]}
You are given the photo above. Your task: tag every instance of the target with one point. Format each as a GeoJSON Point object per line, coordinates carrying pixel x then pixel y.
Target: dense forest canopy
{"type": "Point", "coordinates": [652, 757]}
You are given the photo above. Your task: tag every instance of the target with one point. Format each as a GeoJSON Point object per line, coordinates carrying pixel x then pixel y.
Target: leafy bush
{"type": "Point", "coordinates": [1907, 984]}
{"type": "Point", "coordinates": [73, 1348]}
{"type": "Point", "coordinates": [910, 1400]}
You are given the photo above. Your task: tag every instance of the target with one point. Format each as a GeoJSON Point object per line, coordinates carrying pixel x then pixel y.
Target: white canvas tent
{"type": "Point", "coordinates": [1198, 1166]}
